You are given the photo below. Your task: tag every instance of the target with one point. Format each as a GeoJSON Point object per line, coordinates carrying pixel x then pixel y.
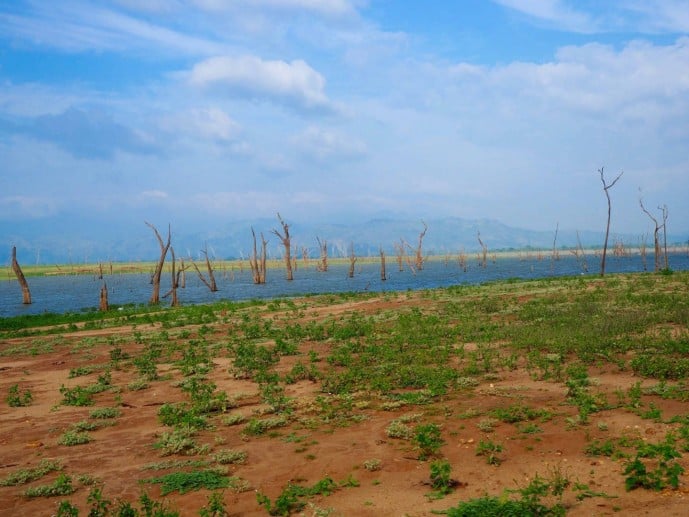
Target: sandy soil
{"type": "Point", "coordinates": [117, 453]}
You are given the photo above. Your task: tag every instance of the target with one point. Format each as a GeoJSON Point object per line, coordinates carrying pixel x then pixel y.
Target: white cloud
{"type": "Point", "coordinates": [79, 26]}
{"type": "Point", "coordinates": [322, 7]}
{"type": "Point", "coordinates": [293, 83]}
{"type": "Point", "coordinates": [553, 12]}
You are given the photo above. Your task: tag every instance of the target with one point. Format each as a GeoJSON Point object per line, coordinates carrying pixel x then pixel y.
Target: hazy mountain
{"type": "Point", "coordinates": [73, 239]}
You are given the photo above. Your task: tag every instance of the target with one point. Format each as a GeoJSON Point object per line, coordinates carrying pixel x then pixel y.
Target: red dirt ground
{"type": "Point", "coordinates": [117, 454]}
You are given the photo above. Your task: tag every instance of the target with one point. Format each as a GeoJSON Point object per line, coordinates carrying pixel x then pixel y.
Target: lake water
{"type": "Point", "coordinates": [70, 293]}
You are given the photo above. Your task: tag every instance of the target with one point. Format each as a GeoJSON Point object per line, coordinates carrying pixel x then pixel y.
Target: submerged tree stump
{"type": "Point", "coordinates": [26, 293]}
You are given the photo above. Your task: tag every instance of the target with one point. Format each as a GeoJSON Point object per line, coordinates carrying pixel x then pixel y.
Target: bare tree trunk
{"type": "Point", "coordinates": [323, 249]}
{"type": "Point", "coordinates": [656, 241]}
{"type": "Point", "coordinates": [305, 255]}
{"type": "Point", "coordinates": [183, 270]}
{"type": "Point", "coordinates": [26, 294]}
{"type": "Point", "coordinates": [606, 188]}
{"type": "Point", "coordinates": [352, 260]}
{"type": "Point", "coordinates": [210, 282]}
{"type": "Point", "coordinates": [285, 238]}
{"type": "Point", "coordinates": [665, 214]}
{"type": "Point", "coordinates": [175, 280]}
{"type": "Point", "coordinates": [383, 276]}
{"type": "Point", "coordinates": [419, 252]}
{"type": "Point", "coordinates": [155, 279]}
{"type": "Point", "coordinates": [484, 251]}
{"type": "Point", "coordinates": [100, 271]}
{"type": "Point", "coordinates": [258, 267]}
{"type": "Point", "coordinates": [103, 305]}
{"type": "Point", "coordinates": [399, 253]}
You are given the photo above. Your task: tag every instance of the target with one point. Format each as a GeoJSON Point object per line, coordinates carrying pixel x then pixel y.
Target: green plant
{"type": "Point", "coordinates": [178, 441]}
{"type": "Point", "coordinates": [441, 480]}
{"type": "Point", "coordinates": [184, 482]}
{"type": "Point", "coordinates": [61, 486]}
{"type": "Point", "coordinates": [230, 456]}
{"type": "Point", "coordinates": [77, 396]}
{"type": "Point", "coordinates": [291, 499]}
{"type": "Point", "coordinates": [398, 429]}
{"type": "Point", "coordinates": [105, 412]}
{"type": "Point", "coordinates": [23, 476]}
{"type": "Point", "coordinates": [666, 472]}
{"type": "Point", "coordinates": [215, 507]}
{"type": "Point", "coordinates": [99, 505]}
{"type": "Point", "coordinates": [66, 509]}
{"type": "Point", "coordinates": [72, 437]}
{"type": "Point", "coordinates": [257, 426]}
{"type": "Point", "coordinates": [427, 440]}
{"type": "Point", "coordinates": [490, 451]}
{"type": "Point", "coordinates": [15, 399]}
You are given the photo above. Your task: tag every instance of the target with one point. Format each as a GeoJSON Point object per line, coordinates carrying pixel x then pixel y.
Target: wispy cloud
{"type": "Point", "coordinates": [555, 13]}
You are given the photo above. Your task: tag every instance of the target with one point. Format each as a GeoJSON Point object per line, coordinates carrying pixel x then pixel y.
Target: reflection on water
{"type": "Point", "coordinates": [76, 292]}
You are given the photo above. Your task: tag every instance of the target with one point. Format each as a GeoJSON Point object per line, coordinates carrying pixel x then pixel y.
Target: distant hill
{"type": "Point", "coordinates": [75, 240]}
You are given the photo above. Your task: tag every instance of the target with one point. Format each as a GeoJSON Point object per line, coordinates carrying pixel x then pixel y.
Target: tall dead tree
{"type": "Point", "coordinates": [103, 304]}
{"type": "Point", "coordinates": [164, 246]}
{"type": "Point", "coordinates": [606, 188]}
{"type": "Point", "coordinates": [383, 275]}
{"type": "Point", "coordinates": [352, 260]}
{"type": "Point", "coordinates": [258, 265]}
{"type": "Point", "coordinates": [419, 252]}
{"type": "Point", "coordinates": [210, 281]}
{"type": "Point", "coordinates": [399, 253]}
{"type": "Point", "coordinates": [175, 281]}
{"type": "Point", "coordinates": [484, 251]}
{"type": "Point", "coordinates": [285, 238]}
{"type": "Point", "coordinates": [663, 209]}
{"type": "Point", "coordinates": [323, 250]}
{"type": "Point", "coordinates": [656, 238]}
{"type": "Point", "coordinates": [26, 293]}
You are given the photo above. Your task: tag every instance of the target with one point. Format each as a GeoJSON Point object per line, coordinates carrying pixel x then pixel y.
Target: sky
{"type": "Point", "coordinates": [196, 112]}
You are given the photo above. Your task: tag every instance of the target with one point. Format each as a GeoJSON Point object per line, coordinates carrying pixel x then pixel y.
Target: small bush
{"type": "Point", "coordinates": [15, 399]}
{"type": "Point", "coordinates": [61, 486]}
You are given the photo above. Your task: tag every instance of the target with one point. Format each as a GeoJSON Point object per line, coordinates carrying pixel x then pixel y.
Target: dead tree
{"type": "Point", "coordinates": [155, 279]}
{"type": "Point", "coordinates": [258, 266]}
{"type": "Point", "coordinates": [26, 294]}
{"type": "Point", "coordinates": [606, 188]}
{"type": "Point", "coordinates": [484, 251]}
{"type": "Point", "coordinates": [285, 238]}
{"type": "Point", "coordinates": [305, 255]}
{"type": "Point", "coordinates": [210, 281]}
{"type": "Point", "coordinates": [580, 255]}
{"type": "Point", "coordinates": [383, 276]}
{"type": "Point", "coordinates": [352, 260]}
{"type": "Point", "coordinates": [419, 251]}
{"type": "Point", "coordinates": [183, 269]}
{"type": "Point", "coordinates": [175, 281]}
{"type": "Point", "coordinates": [663, 209]}
{"type": "Point", "coordinates": [323, 250]}
{"type": "Point", "coordinates": [399, 253]}
{"type": "Point", "coordinates": [103, 305]}
{"type": "Point", "coordinates": [656, 237]}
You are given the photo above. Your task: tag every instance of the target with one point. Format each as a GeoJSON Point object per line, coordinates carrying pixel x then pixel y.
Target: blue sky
{"type": "Point", "coordinates": [203, 111]}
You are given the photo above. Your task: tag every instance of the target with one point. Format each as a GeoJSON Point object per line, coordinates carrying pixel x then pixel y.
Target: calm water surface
{"type": "Point", "coordinates": [71, 293]}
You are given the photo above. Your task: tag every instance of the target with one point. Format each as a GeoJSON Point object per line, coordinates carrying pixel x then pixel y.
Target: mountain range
{"type": "Point", "coordinates": [75, 240]}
